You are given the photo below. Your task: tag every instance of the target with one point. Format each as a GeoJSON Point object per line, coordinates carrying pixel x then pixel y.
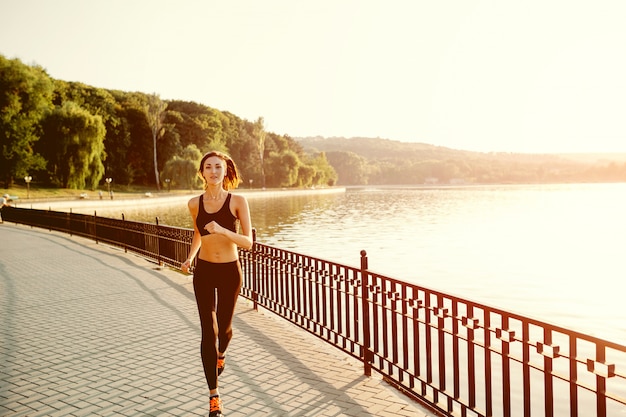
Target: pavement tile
{"type": "Point", "coordinates": [22, 413]}
{"type": "Point", "coordinates": [88, 330]}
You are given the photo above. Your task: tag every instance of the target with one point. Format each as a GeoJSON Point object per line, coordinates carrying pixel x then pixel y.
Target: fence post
{"type": "Point", "coordinates": [95, 227]}
{"type": "Point", "coordinates": [158, 243]}
{"type": "Point", "coordinates": [253, 264]}
{"type": "Point", "coordinates": [367, 353]}
{"type": "Point", "coordinates": [123, 231]}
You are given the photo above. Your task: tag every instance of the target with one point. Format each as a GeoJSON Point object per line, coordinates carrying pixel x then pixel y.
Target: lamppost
{"type": "Point", "coordinates": [108, 181]}
{"type": "Point", "coordinates": [28, 179]}
{"type": "Point", "coordinates": [167, 181]}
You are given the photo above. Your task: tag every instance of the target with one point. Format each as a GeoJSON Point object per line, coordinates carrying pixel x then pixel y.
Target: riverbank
{"type": "Point", "coordinates": [160, 199]}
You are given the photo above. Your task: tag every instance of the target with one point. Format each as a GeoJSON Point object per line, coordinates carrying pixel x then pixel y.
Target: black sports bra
{"type": "Point", "coordinates": [223, 217]}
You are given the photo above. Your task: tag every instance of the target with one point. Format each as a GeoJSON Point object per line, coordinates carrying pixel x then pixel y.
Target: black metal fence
{"type": "Point", "coordinates": [456, 356]}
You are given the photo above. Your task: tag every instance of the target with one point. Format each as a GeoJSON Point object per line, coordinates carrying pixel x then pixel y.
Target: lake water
{"type": "Point", "coordinates": [552, 252]}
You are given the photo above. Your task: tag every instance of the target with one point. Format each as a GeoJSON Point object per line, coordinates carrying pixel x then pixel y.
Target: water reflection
{"type": "Point", "coordinates": [270, 215]}
{"type": "Point", "coordinates": [540, 250]}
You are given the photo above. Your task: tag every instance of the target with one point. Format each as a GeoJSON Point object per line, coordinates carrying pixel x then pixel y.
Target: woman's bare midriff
{"type": "Point", "coordinates": [218, 249]}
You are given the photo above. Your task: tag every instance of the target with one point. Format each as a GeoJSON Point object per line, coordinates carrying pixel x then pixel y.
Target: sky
{"type": "Point", "coordinates": [533, 76]}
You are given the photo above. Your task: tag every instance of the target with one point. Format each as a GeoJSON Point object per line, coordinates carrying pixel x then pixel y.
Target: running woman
{"type": "Point", "coordinates": [217, 215]}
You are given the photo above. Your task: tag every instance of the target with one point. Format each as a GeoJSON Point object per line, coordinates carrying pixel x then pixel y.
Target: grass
{"type": "Point", "coordinates": [38, 194]}
{"type": "Point", "coordinates": [43, 193]}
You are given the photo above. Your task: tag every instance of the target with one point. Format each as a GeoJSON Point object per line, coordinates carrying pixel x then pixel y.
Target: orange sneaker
{"type": "Point", "coordinates": [221, 364]}
{"type": "Point", "coordinates": [215, 407]}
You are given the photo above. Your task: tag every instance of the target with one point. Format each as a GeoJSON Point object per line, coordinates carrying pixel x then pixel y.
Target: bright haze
{"type": "Point", "coordinates": [524, 76]}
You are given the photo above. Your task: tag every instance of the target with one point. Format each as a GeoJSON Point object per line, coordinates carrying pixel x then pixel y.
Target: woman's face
{"type": "Point", "coordinates": [214, 170]}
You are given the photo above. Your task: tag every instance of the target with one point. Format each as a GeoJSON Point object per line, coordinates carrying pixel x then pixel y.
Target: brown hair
{"type": "Point", "coordinates": [231, 179]}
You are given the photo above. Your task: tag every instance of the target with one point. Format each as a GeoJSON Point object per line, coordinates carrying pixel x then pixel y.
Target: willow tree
{"type": "Point", "coordinates": [73, 145]}
{"type": "Point", "coordinates": [155, 114]}
{"type": "Point", "coordinates": [182, 170]}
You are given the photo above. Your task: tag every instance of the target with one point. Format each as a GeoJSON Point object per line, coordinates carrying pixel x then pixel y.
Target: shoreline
{"type": "Point", "coordinates": [121, 201]}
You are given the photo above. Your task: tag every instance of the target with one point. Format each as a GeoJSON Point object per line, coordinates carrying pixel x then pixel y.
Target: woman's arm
{"type": "Point", "coordinates": [197, 238]}
{"type": "Point", "coordinates": [244, 239]}
{"type": "Point", "coordinates": [242, 212]}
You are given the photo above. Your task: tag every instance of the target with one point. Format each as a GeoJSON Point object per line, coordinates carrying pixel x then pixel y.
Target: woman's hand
{"type": "Point", "coordinates": [186, 266]}
{"type": "Point", "coordinates": [214, 228]}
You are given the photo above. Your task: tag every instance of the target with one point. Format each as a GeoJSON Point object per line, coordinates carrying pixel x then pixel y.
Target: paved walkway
{"type": "Point", "coordinates": [87, 330]}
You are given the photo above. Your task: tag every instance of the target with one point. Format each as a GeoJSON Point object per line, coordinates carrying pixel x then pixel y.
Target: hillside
{"type": "Point", "coordinates": [362, 160]}
{"type": "Point", "coordinates": [595, 158]}
{"type": "Point", "coordinates": [377, 147]}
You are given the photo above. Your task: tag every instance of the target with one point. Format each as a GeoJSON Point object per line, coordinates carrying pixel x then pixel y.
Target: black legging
{"type": "Point", "coordinates": [225, 279]}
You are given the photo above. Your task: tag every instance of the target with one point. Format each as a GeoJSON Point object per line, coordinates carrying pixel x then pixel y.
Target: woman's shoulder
{"type": "Point", "coordinates": [238, 198]}
{"type": "Point", "coordinates": [194, 202]}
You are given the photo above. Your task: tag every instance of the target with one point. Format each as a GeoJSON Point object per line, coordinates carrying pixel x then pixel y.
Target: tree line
{"type": "Point", "coordinates": [72, 135]}
{"type": "Point", "coordinates": [375, 161]}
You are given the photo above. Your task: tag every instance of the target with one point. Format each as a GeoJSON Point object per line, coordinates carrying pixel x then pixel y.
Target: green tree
{"type": "Point", "coordinates": [155, 113]}
{"type": "Point", "coordinates": [73, 144]}
{"type": "Point", "coordinates": [328, 175]}
{"type": "Point", "coordinates": [182, 170]}
{"type": "Point", "coordinates": [110, 106]}
{"type": "Point", "coordinates": [138, 157]}
{"type": "Point", "coordinates": [283, 169]}
{"type": "Point", "coordinates": [200, 125]}
{"type": "Point", "coordinates": [306, 175]}
{"type": "Point", "coordinates": [118, 163]}
{"type": "Point", "coordinates": [242, 147]}
{"type": "Point", "coordinates": [25, 97]}
{"type": "Point", "coordinates": [260, 135]}
{"type": "Point", "coordinates": [351, 169]}
{"type": "Point", "coordinates": [97, 101]}
{"type": "Point", "coordinates": [320, 172]}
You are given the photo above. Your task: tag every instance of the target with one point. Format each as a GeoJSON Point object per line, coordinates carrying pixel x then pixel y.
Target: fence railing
{"type": "Point", "coordinates": [456, 356]}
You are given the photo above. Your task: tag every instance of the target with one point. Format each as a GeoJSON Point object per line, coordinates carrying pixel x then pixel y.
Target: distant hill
{"type": "Point", "coordinates": [595, 158]}
{"type": "Point", "coordinates": [377, 147]}
{"type": "Point", "coordinates": [361, 160]}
